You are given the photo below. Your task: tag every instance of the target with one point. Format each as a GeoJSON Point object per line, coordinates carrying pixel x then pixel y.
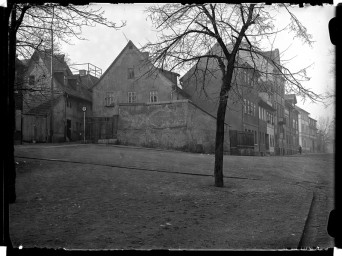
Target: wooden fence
{"type": "Point", "coordinates": [241, 142]}
{"type": "Point", "coordinates": [34, 128]}
{"type": "Point", "coordinates": [101, 128]}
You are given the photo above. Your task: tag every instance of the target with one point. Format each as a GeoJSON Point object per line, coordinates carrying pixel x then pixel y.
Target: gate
{"type": "Point", "coordinates": [34, 128]}
{"type": "Point", "coordinates": [101, 128]}
{"type": "Point", "coordinates": [241, 142]}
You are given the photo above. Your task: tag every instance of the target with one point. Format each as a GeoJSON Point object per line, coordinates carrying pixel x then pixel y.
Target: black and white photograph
{"type": "Point", "coordinates": [170, 126]}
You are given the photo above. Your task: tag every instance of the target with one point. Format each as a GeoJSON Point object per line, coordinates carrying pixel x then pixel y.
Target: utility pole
{"type": "Point", "coordinates": [51, 72]}
{"type": "Point", "coordinates": [84, 109]}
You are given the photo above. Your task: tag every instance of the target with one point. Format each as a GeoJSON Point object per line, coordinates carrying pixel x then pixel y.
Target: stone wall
{"type": "Point", "coordinates": [177, 125]}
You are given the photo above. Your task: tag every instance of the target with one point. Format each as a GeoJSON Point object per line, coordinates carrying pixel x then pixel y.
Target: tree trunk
{"type": "Point", "coordinates": [11, 120]}
{"type": "Point", "coordinates": [6, 142]}
{"type": "Point", "coordinates": [219, 140]}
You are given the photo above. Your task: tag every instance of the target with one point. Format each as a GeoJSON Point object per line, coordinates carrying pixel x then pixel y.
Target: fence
{"type": "Point", "coordinates": [101, 128]}
{"type": "Point", "coordinates": [241, 142]}
{"type": "Point", "coordinates": [34, 128]}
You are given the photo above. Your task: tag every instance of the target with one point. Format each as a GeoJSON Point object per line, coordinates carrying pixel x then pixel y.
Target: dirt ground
{"type": "Point", "coordinates": [98, 206]}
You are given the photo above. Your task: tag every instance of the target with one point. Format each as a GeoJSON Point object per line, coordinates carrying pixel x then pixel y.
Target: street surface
{"type": "Point", "coordinates": [98, 196]}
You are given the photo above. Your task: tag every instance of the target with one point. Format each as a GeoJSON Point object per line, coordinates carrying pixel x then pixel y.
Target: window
{"type": "Point", "coordinates": [252, 110]}
{"type": "Point", "coordinates": [153, 96]}
{"type": "Point", "coordinates": [109, 100]}
{"type": "Point", "coordinates": [31, 80]}
{"type": "Point", "coordinates": [249, 107]}
{"type": "Point", "coordinates": [130, 73]}
{"type": "Point", "coordinates": [255, 138]}
{"type": "Point", "coordinates": [132, 97]}
{"type": "Point", "coordinates": [245, 106]}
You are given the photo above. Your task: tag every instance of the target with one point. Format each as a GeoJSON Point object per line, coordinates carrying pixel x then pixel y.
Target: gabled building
{"type": "Point", "coordinates": [255, 104]}
{"type": "Point", "coordinates": [131, 79]}
{"type": "Point", "coordinates": [135, 103]}
{"type": "Point", "coordinates": [69, 97]}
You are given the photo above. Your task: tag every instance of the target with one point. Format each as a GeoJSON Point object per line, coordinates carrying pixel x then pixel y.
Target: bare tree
{"type": "Point", "coordinates": [29, 28]}
{"type": "Point", "coordinates": [326, 133]}
{"type": "Point", "coordinates": [330, 94]}
{"type": "Point", "coordinates": [228, 36]}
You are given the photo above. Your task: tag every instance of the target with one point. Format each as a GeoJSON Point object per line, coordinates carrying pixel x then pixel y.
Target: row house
{"type": "Point", "coordinates": [256, 103]}
{"type": "Point", "coordinates": [307, 131]}
{"type": "Point", "coordinates": [66, 101]}
{"type": "Point", "coordinates": [291, 125]}
{"type": "Point", "coordinates": [313, 134]}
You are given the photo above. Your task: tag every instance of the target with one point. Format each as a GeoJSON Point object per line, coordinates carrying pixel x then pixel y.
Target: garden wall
{"type": "Point", "coordinates": [177, 125]}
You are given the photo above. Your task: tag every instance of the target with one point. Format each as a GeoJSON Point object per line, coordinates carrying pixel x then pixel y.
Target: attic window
{"type": "Point", "coordinates": [109, 100]}
{"type": "Point", "coordinates": [130, 73]}
{"type": "Point", "coordinates": [153, 96]}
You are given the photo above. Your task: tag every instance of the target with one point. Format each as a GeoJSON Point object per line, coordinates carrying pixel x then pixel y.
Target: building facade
{"type": "Point", "coordinates": [307, 131]}
{"type": "Point", "coordinates": [65, 102]}
{"type": "Point", "coordinates": [291, 125]}
{"type": "Point", "coordinates": [131, 78]}
{"type": "Point", "coordinates": [256, 103]}
{"type": "Point", "coordinates": [313, 135]}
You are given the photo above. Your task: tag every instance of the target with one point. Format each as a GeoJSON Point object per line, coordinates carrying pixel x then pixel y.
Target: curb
{"type": "Point", "coordinates": [300, 244]}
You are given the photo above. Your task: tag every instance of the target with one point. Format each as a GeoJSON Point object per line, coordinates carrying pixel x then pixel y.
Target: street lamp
{"type": "Point", "coordinates": [84, 110]}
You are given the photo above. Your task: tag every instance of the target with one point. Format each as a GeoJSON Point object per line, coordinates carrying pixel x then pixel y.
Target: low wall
{"type": "Point", "coordinates": [177, 125]}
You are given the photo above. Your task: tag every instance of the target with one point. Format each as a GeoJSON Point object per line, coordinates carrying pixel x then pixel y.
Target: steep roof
{"type": "Point", "coordinates": [244, 57]}
{"type": "Point", "coordinates": [58, 62]}
{"type": "Point", "coordinates": [44, 108]}
{"type": "Point", "coordinates": [113, 63]}
{"type": "Point", "coordinates": [141, 54]}
{"type": "Point", "coordinates": [78, 92]}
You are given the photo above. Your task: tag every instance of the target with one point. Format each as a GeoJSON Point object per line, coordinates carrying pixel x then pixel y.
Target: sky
{"type": "Point", "coordinates": [104, 44]}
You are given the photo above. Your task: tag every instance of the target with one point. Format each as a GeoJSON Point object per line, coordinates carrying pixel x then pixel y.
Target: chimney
{"type": "Point", "coordinates": [82, 72]}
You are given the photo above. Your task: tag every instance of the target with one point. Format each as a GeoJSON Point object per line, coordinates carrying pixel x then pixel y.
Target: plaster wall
{"type": "Point", "coordinates": [171, 125]}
